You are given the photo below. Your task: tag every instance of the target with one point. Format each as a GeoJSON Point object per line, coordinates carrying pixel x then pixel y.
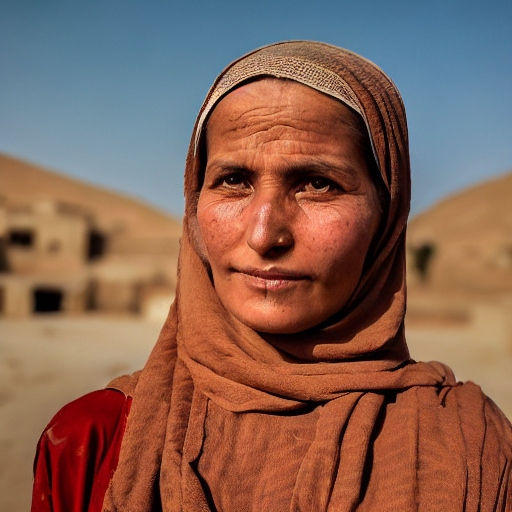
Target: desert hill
{"type": "Point", "coordinates": [24, 183]}
{"type": "Point", "coordinates": [465, 241]}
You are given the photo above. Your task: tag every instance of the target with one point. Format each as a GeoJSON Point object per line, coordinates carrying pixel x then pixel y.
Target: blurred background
{"type": "Point", "coordinates": [97, 104]}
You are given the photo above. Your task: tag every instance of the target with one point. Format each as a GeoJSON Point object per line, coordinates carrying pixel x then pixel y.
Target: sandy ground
{"type": "Point", "coordinates": [51, 360]}
{"type": "Point", "coordinates": [45, 363]}
{"type": "Point", "coordinates": [471, 357]}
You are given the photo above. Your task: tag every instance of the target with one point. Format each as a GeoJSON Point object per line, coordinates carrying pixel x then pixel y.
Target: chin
{"type": "Point", "coordinates": [276, 325]}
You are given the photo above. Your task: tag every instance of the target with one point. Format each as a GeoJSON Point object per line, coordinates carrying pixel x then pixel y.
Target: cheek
{"type": "Point", "coordinates": [218, 227]}
{"type": "Point", "coordinates": [339, 239]}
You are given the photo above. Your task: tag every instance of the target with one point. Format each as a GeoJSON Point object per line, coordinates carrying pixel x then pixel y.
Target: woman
{"type": "Point", "coordinates": [281, 379]}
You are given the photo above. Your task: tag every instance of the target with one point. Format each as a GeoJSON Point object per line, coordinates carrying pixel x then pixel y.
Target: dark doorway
{"type": "Point", "coordinates": [21, 237]}
{"type": "Point", "coordinates": [4, 263]}
{"type": "Point", "coordinates": [47, 300]}
{"type": "Point", "coordinates": [97, 245]}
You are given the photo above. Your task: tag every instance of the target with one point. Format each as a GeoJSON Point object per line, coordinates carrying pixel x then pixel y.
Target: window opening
{"type": "Point", "coordinates": [47, 300]}
{"type": "Point", "coordinates": [21, 237]}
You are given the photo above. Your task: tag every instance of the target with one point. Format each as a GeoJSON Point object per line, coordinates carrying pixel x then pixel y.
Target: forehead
{"type": "Point", "coordinates": [272, 101]}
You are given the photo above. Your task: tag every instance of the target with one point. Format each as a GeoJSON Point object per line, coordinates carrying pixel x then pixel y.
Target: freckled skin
{"type": "Point", "coordinates": [287, 210]}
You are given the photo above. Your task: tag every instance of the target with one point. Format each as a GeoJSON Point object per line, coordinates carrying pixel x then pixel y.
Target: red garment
{"type": "Point", "coordinates": [78, 453]}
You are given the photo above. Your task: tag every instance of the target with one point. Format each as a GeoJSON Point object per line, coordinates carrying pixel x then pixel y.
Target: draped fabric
{"type": "Point", "coordinates": [337, 418]}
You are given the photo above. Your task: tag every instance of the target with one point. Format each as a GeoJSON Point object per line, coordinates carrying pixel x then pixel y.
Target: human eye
{"type": "Point", "coordinates": [319, 185]}
{"type": "Point", "coordinates": [234, 180]}
{"type": "Point", "coordinates": [229, 180]}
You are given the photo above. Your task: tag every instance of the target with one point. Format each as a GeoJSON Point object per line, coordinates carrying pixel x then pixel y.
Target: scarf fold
{"type": "Point", "coordinates": [337, 418]}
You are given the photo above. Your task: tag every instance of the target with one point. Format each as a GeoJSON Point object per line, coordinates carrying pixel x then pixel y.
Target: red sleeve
{"type": "Point", "coordinates": [78, 453]}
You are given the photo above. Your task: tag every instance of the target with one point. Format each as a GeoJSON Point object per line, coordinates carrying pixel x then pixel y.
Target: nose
{"type": "Point", "coordinates": [269, 228]}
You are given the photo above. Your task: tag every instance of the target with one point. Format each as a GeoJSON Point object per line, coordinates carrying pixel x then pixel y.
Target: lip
{"type": "Point", "coordinates": [274, 278]}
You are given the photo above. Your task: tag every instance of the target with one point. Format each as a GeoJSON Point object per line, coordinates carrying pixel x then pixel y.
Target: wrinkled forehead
{"type": "Point", "coordinates": [256, 66]}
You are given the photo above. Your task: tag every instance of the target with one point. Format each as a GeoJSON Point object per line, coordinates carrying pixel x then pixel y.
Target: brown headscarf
{"type": "Point", "coordinates": [337, 418]}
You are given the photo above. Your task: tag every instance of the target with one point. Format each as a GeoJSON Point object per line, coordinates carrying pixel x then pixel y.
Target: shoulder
{"type": "Point", "coordinates": [474, 405]}
{"type": "Point", "coordinates": [78, 451]}
{"type": "Point", "coordinates": [102, 407]}
{"type": "Point", "coordinates": [457, 409]}
{"type": "Point", "coordinates": [92, 421]}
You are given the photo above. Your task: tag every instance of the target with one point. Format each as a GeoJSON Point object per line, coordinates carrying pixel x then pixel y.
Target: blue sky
{"type": "Point", "coordinates": [108, 90]}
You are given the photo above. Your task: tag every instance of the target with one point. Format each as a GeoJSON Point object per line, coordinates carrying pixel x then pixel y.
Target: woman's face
{"type": "Point", "coordinates": [287, 210]}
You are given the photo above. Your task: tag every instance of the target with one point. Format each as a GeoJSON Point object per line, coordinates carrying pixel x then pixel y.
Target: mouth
{"type": "Point", "coordinates": [273, 278]}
